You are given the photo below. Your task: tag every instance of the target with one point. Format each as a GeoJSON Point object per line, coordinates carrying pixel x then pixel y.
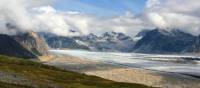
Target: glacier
{"type": "Point", "coordinates": [184, 64]}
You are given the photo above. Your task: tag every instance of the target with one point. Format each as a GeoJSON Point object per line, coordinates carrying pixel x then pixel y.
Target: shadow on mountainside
{"type": "Point", "coordinates": [10, 47]}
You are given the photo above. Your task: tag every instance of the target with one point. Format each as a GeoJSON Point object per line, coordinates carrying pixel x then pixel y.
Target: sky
{"type": "Point", "coordinates": [60, 17]}
{"type": "Point", "coordinates": [102, 7]}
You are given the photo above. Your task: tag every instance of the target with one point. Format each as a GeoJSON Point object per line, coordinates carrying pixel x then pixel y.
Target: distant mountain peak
{"type": "Point", "coordinates": [109, 34]}
{"type": "Point", "coordinates": [109, 41]}
{"type": "Point", "coordinates": [92, 36]}
{"type": "Point", "coordinates": [33, 34]}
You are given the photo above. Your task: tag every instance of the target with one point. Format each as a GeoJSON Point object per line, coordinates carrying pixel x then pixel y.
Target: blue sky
{"type": "Point", "coordinates": [101, 7]}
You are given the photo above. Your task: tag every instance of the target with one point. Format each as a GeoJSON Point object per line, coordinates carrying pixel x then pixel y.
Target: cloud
{"type": "Point", "coordinates": [47, 19]}
{"type": "Point", "coordinates": [17, 13]}
{"type": "Point", "coordinates": [178, 14]}
{"type": "Point", "coordinates": [165, 14]}
{"type": "Point", "coordinates": [40, 16]}
{"type": "Point", "coordinates": [61, 23]}
{"type": "Point", "coordinates": [86, 24]}
{"type": "Point", "coordinates": [127, 23]}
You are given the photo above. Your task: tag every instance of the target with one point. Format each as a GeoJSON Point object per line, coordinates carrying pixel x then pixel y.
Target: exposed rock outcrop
{"type": "Point", "coordinates": [32, 42]}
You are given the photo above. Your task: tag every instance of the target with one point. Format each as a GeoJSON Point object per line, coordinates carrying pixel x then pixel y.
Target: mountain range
{"type": "Point", "coordinates": [109, 41]}
{"type": "Point", "coordinates": [157, 41]}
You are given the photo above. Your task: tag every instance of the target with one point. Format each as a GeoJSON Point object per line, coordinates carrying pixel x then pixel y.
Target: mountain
{"type": "Point", "coordinates": [9, 46]}
{"type": "Point", "coordinates": [26, 45]}
{"type": "Point", "coordinates": [32, 42]}
{"type": "Point", "coordinates": [140, 35]}
{"type": "Point", "coordinates": [157, 41]}
{"type": "Point", "coordinates": [161, 41]}
{"type": "Point", "coordinates": [109, 41]}
{"type": "Point", "coordinates": [64, 42]}
{"type": "Point", "coordinates": [195, 47]}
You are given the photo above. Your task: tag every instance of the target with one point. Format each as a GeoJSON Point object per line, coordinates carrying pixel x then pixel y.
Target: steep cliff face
{"type": "Point", "coordinates": [32, 42]}
{"type": "Point", "coordinates": [10, 47]}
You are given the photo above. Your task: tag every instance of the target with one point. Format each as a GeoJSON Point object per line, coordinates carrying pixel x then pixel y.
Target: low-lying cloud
{"type": "Point", "coordinates": [62, 22]}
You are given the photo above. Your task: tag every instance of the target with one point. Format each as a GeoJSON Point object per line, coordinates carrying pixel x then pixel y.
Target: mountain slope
{"type": "Point", "coordinates": [161, 41]}
{"type": "Point", "coordinates": [26, 45]}
{"type": "Point", "coordinates": [195, 47]}
{"type": "Point", "coordinates": [32, 42]}
{"type": "Point", "coordinates": [140, 35]}
{"type": "Point", "coordinates": [10, 47]}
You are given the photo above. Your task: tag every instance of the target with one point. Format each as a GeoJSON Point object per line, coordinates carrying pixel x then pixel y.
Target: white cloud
{"type": "Point", "coordinates": [39, 16]}
{"type": "Point", "coordinates": [58, 22]}
{"type": "Point", "coordinates": [16, 12]}
{"type": "Point", "coordinates": [47, 19]}
{"type": "Point", "coordinates": [127, 23]}
{"type": "Point", "coordinates": [180, 14]}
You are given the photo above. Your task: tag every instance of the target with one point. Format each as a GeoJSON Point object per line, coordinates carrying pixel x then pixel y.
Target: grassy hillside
{"type": "Point", "coordinates": [21, 73]}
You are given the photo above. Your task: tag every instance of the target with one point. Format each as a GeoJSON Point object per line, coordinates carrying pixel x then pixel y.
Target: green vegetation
{"type": "Point", "coordinates": [7, 85]}
{"type": "Point", "coordinates": [43, 76]}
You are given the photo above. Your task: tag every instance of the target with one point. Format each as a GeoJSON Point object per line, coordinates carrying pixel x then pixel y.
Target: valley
{"type": "Point", "coordinates": [157, 70]}
{"type": "Point", "coordinates": [99, 43]}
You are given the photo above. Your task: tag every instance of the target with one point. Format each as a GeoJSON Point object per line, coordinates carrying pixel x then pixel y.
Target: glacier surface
{"type": "Point", "coordinates": [185, 64]}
